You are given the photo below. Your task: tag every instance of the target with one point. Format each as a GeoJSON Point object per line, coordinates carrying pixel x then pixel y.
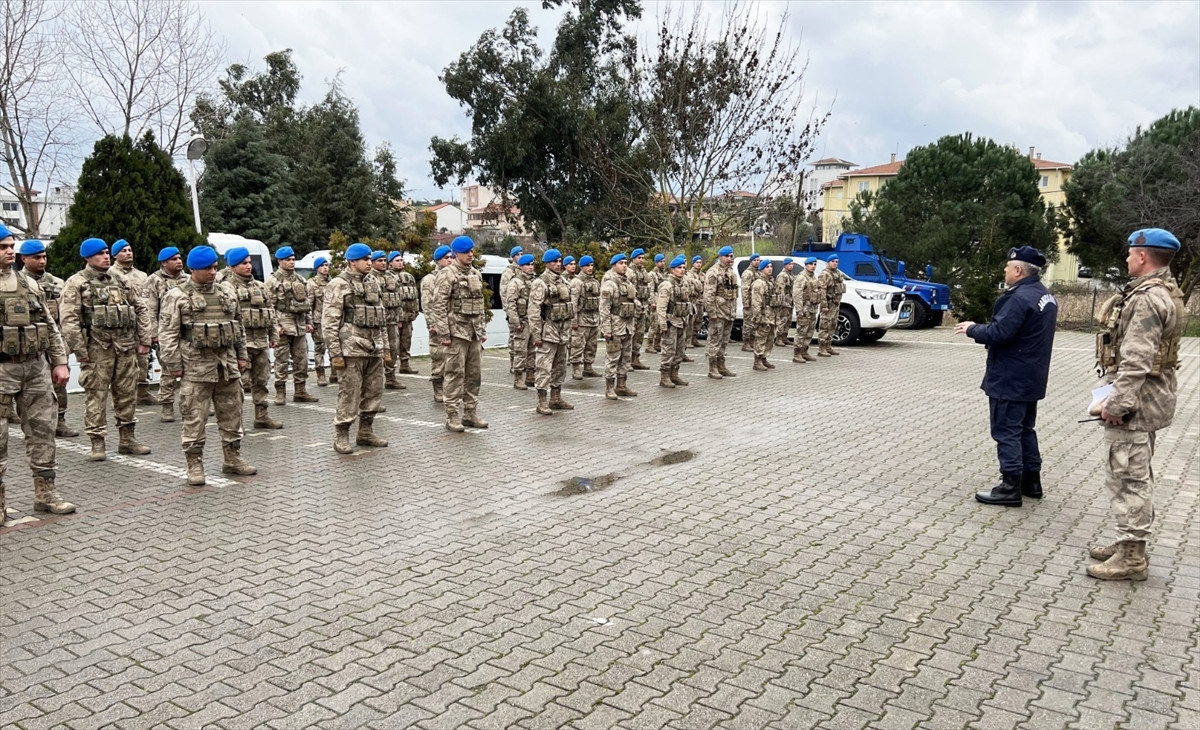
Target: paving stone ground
{"type": "Point", "coordinates": [791, 549]}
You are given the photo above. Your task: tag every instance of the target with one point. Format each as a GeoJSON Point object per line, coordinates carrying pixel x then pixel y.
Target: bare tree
{"type": "Point", "coordinates": [138, 64]}
{"type": "Point", "coordinates": [34, 131]}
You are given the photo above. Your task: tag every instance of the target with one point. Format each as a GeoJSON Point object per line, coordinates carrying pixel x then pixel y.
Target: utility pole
{"type": "Point", "coordinates": [796, 214]}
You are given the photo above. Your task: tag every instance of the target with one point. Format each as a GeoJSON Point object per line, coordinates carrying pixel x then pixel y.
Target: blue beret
{"type": "Point", "coordinates": [515, 250]}
{"type": "Point", "coordinates": [233, 256]}
{"type": "Point", "coordinates": [31, 247]}
{"type": "Point", "coordinates": [568, 260]}
{"type": "Point", "coordinates": [462, 244]}
{"type": "Point", "coordinates": [616, 257]}
{"type": "Point", "coordinates": [753, 256]}
{"type": "Point", "coordinates": [285, 253]}
{"type": "Point", "coordinates": [377, 255]}
{"type": "Point", "coordinates": [788, 260]}
{"type": "Point", "coordinates": [1154, 238]}
{"type": "Point", "coordinates": [659, 257]}
{"type": "Point", "coordinates": [637, 252]}
{"type": "Point", "coordinates": [586, 261]}
{"type": "Point", "coordinates": [525, 259]}
{"type": "Point", "coordinates": [551, 256]}
{"type": "Point", "coordinates": [167, 253]}
{"type": "Point", "coordinates": [1028, 254]}
{"type": "Point", "coordinates": [319, 262]}
{"type": "Point", "coordinates": [4, 232]}
{"type": "Point", "coordinates": [810, 260]}
{"type": "Point", "coordinates": [725, 251]}
{"type": "Point", "coordinates": [201, 257]}
{"type": "Point", "coordinates": [679, 260]}
{"type": "Point", "coordinates": [441, 252]}
{"type": "Point", "coordinates": [763, 264]}
{"type": "Point", "coordinates": [696, 258]}
{"type": "Point", "coordinates": [92, 246]}
{"type": "Point", "coordinates": [119, 244]}
{"type": "Point", "coordinates": [832, 258]}
{"type": "Point", "coordinates": [392, 255]}
{"type": "Point", "coordinates": [357, 252]}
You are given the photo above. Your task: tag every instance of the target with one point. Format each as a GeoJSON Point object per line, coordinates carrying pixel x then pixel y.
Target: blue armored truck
{"type": "Point", "coordinates": [926, 301]}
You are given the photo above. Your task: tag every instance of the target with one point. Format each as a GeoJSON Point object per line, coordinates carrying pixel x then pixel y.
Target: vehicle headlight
{"type": "Point", "coordinates": [870, 294]}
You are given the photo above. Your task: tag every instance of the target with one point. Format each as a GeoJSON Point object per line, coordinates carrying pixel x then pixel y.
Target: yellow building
{"type": "Point", "coordinates": [841, 192]}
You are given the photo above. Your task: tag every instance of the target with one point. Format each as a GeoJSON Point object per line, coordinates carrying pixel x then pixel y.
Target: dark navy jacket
{"type": "Point", "coordinates": [1018, 339]}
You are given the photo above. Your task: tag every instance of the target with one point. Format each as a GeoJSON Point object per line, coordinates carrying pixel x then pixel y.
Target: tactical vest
{"type": "Point", "coordinates": [53, 290]}
{"type": "Point", "coordinates": [839, 285]}
{"type": "Point", "coordinates": [727, 283]}
{"type": "Point", "coordinates": [678, 306]}
{"type": "Point", "coordinates": [1108, 340]}
{"type": "Point", "coordinates": [775, 296]}
{"type": "Point", "coordinates": [623, 305]}
{"type": "Point", "coordinates": [24, 328]}
{"type": "Point", "coordinates": [642, 282]}
{"type": "Point", "coordinates": [589, 295]}
{"type": "Point", "coordinates": [107, 305]}
{"type": "Point", "coordinates": [557, 306]}
{"type": "Point", "coordinates": [364, 306]}
{"type": "Point", "coordinates": [257, 313]}
{"type": "Point", "coordinates": [208, 320]}
{"type": "Point", "coordinates": [293, 296]}
{"type": "Point", "coordinates": [407, 291]}
{"type": "Point", "coordinates": [522, 303]}
{"type": "Point", "coordinates": [466, 295]}
{"type": "Point", "coordinates": [390, 290]}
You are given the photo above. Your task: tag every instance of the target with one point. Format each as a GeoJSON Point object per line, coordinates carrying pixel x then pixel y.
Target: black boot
{"type": "Point", "coordinates": [1006, 494]}
{"type": "Point", "coordinates": [1031, 484]}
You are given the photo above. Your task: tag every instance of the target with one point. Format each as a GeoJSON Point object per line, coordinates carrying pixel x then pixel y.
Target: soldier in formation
{"type": "Point", "coordinates": [748, 324]}
{"type": "Point", "coordinates": [658, 275]}
{"type": "Point", "coordinates": [618, 315]}
{"type": "Point", "coordinates": [33, 258]}
{"type": "Point", "coordinates": [389, 286]}
{"type": "Point", "coordinates": [806, 299]}
{"type": "Point", "coordinates": [783, 295]}
{"type": "Point", "coordinates": [585, 298]}
{"type": "Point", "coordinates": [641, 280]}
{"type": "Point", "coordinates": [410, 306]}
{"type": "Point", "coordinates": [520, 337]}
{"type": "Point", "coordinates": [168, 276]}
{"type": "Point", "coordinates": [457, 310]}
{"type": "Point", "coordinates": [762, 310]}
{"type": "Point", "coordinates": [122, 263]}
{"type": "Point", "coordinates": [673, 310]}
{"type": "Point", "coordinates": [720, 301]}
{"type": "Point", "coordinates": [442, 256]}
{"type": "Point", "coordinates": [293, 321]}
{"type": "Point", "coordinates": [695, 279]}
{"type": "Point", "coordinates": [550, 317]}
{"type": "Point", "coordinates": [510, 271]}
{"type": "Point", "coordinates": [257, 318]}
{"type": "Point", "coordinates": [570, 269]}
{"type": "Point", "coordinates": [316, 294]}
{"type": "Point", "coordinates": [830, 287]}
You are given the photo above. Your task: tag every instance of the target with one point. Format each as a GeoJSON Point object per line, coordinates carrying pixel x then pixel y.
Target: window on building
{"type": "Point", "coordinates": [864, 186]}
{"type": "Point", "coordinates": [1045, 181]}
{"type": "Point", "coordinates": [10, 207]}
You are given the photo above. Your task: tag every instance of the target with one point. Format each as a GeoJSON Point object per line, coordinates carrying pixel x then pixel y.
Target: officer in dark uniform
{"type": "Point", "coordinates": [1019, 340]}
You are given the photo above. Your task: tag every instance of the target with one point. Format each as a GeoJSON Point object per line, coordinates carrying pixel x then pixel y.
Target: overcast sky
{"type": "Point", "coordinates": [1064, 77]}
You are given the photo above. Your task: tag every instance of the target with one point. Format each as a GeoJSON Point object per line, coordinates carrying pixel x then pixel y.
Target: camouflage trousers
{"type": "Point", "coordinates": [806, 324]}
{"type": "Point", "coordinates": [583, 345]}
{"type": "Point", "coordinates": [226, 399]}
{"type": "Point", "coordinates": [520, 349]}
{"type": "Point", "coordinates": [693, 328]}
{"type": "Point", "coordinates": [168, 384]}
{"type": "Point", "coordinates": [674, 340]}
{"type": "Point", "coordinates": [764, 337]}
{"type": "Point", "coordinates": [783, 321]}
{"type": "Point", "coordinates": [719, 331]}
{"type": "Point", "coordinates": [25, 391]}
{"type": "Point", "coordinates": [640, 325]}
{"type": "Point", "coordinates": [258, 373]}
{"type": "Point", "coordinates": [320, 349]}
{"type": "Point", "coordinates": [108, 372]}
{"type": "Point", "coordinates": [1130, 481]}
{"type": "Point", "coordinates": [464, 373]}
{"type": "Point", "coordinates": [393, 333]}
{"type": "Point", "coordinates": [360, 389]}
{"type": "Point", "coordinates": [437, 358]}
{"type": "Point", "coordinates": [551, 365]}
{"type": "Point", "coordinates": [654, 333]}
{"type": "Point", "coordinates": [143, 363]}
{"type": "Point", "coordinates": [749, 329]}
{"type": "Point", "coordinates": [619, 355]}
{"type": "Point", "coordinates": [828, 324]}
{"type": "Point", "coordinates": [402, 350]}
{"type": "Point", "coordinates": [60, 395]}
{"type": "Point", "coordinates": [295, 349]}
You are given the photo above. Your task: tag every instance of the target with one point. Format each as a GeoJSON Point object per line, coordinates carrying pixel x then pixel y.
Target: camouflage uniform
{"type": "Point", "coordinates": [520, 337]}
{"type": "Point", "coordinates": [641, 280]}
{"type": "Point", "coordinates": [806, 297]}
{"type": "Point", "coordinates": [103, 323]}
{"type": "Point", "coordinates": [156, 287]}
{"type": "Point", "coordinates": [585, 297]}
{"type": "Point", "coordinates": [749, 326]}
{"type": "Point", "coordinates": [457, 312]}
{"type": "Point", "coordinates": [695, 280]}
{"type": "Point", "coordinates": [293, 317]}
{"type": "Point", "coordinates": [830, 287]}
{"type": "Point", "coordinates": [52, 289]}
{"type": "Point", "coordinates": [137, 280]}
{"type": "Point", "coordinates": [437, 354]}
{"type": "Point", "coordinates": [762, 310]}
{"type": "Point", "coordinates": [354, 324]}
{"type": "Point", "coordinates": [618, 310]}
{"type": "Point", "coordinates": [506, 276]}
{"type": "Point", "coordinates": [410, 306]}
{"type": "Point", "coordinates": [783, 311]}
{"type": "Point", "coordinates": [550, 316]}
{"type": "Point", "coordinates": [673, 310]}
{"type": "Point", "coordinates": [201, 336]}
{"type": "Point", "coordinates": [389, 285]}
{"type": "Point", "coordinates": [315, 285]}
{"type": "Point", "coordinates": [656, 277]}
{"type": "Point", "coordinates": [720, 301]}
{"type": "Point", "coordinates": [257, 318]}
{"type": "Point", "coordinates": [30, 345]}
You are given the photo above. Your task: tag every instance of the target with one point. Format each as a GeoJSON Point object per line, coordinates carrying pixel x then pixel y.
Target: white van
{"type": "Point", "coordinates": [260, 255]}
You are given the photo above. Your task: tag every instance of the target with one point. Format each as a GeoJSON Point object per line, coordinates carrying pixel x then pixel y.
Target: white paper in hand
{"type": "Point", "coordinates": [1099, 395]}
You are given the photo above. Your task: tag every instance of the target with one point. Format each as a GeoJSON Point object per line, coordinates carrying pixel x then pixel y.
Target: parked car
{"type": "Point", "coordinates": [260, 256]}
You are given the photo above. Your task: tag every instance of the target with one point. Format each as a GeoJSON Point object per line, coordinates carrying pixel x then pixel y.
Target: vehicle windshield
{"type": "Point", "coordinates": [889, 265]}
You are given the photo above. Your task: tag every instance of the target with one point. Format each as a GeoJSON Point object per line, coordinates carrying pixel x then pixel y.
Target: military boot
{"type": "Point", "coordinates": [471, 418]}
{"type": "Point", "coordinates": [530, 380]}
{"type": "Point", "coordinates": [302, 395]}
{"type": "Point", "coordinates": [391, 383]}
{"type": "Point", "coordinates": [623, 387]}
{"type": "Point", "coordinates": [588, 372]}
{"type": "Point", "coordinates": [675, 377]}
{"type": "Point", "coordinates": [610, 391]}
{"type": "Point", "coordinates": [1006, 494]}
{"type": "Point", "coordinates": [758, 364]}
{"type": "Point", "coordinates": [341, 439]}
{"type": "Point", "coordinates": [438, 394]}
{"type": "Point", "coordinates": [746, 345]}
{"type": "Point", "coordinates": [322, 381]}
{"type": "Point", "coordinates": [823, 352]}
{"type": "Point", "coordinates": [366, 432]}
{"type": "Point", "coordinates": [768, 363]}
{"type": "Point", "coordinates": [405, 369]}
{"type": "Point", "coordinates": [1128, 562]}
{"type": "Point", "coordinates": [1031, 485]}
{"type": "Point", "coordinates": [519, 381]}
{"type": "Point", "coordinates": [281, 393]}
{"type": "Point", "coordinates": [832, 351]}
{"type": "Point", "coordinates": [128, 443]}
{"type": "Point", "coordinates": [543, 406]}
{"type": "Point", "coordinates": [713, 372]}
{"type": "Point", "coordinates": [143, 395]}
{"type": "Point", "coordinates": [97, 453]}
{"type": "Point", "coordinates": [556, 401]}
{"type": "Point", "coordinates": [576, 372]}
{"type": "Point", "coordinates": [234, 463]}
{"type": "Point", "coordinates": [798, 358]}
{"type": "Point", "coordinates": [333, 376]}
{"type": "Point", "coordinates": [685, 358]}
{"type": "Point", "coordinates": [1102, 552]}
{"type": "Point", "coordinates": [262, 419]}
{"type": "Point", "coordinates": [46, 499]}
{"type": "Point", "coordinates": [62, 430]}
{"type": "Point", "coordinates": [724, 371]}
{"type": "Point", "coordinates": [168, 413]}
{"type": "Point", "coordinates": [805, 355]}
{"type": "Point", "coordinates": [453, 423]}
{"type": "Point", "coordinates": [195, 468]}
{"type": "Point", "coordinates": [664, 379]}
{"type": "Point", "coordinates": [636, 364]}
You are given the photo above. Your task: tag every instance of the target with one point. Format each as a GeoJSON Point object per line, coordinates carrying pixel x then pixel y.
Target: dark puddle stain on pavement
{"type": "Point", "coordinates": [582, 485]}
{"type": "Point", "coordinates": [673, 457]}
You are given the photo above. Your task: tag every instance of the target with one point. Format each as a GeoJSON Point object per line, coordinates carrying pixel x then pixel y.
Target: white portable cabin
{"type": "Point", "coordinates": [260, 255]}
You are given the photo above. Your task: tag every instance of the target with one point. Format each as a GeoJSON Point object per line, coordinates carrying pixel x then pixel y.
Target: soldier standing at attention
{"type": "Point", "coordinates": [442, 257]}
{"type": "Point", "coordinates": [806, 298]}
{"type": "Point", "coordinates": [1138, 354]}
{"type": "Point", "coordinates": [316, 294]}
{"type": "Point", "coordinates": [831, 285]}
{"type": "Point", "coordinates": [516, 309]}
{"type": "Point", "coordinates": [410, 306]}
{"type": "Point", "coordinates": [389, 285]}
{"type": "Point", "coordinates": [457, 310]}
{"type": "Point", "coordinates": [550, 316]}
{"type": "Point", "coordinates": [673, 310]}
{"type": "Point", "coordinates": [695, 278]}
{"type": "Point", "coordinates": [658, 275]}
{"type": "Point", "coordinates": [783, 295]}
{"type": "Point", "coordinates": [641, 280]}
{"type": "Point", "coordinates": [585, 297]}
{"type": "Point", "coordinates": [33, 359]}
{"type": "Point", "coordinates": [33, 257]}
{"type": "Point", "coordinates": [106, 325]}
{"type": "Point", "coordinates": [354, 324]}
{"type": "Point", "coordinates": [748, 323]}
{"type": "Point", "coordinates": [293, 321]}
{"type": "Point", "coordinates": [122, 258]}
{"type": "Point", "coordinates": [168, 276]}
{"type": "Point", "coordinates": [570, 270]}
{"type": "Point", "coordinates": [257, 318]}
{"type": "Point", "coordinates": [204, 346]}
{"type": "Point", "coordinates": [509, 272]}
{"type": "Point", "coordinates": [618, 310]}
{"type": "Point", "coordinates": [720, 301]}
{"type": "Point", "coordinates": [762, 309]}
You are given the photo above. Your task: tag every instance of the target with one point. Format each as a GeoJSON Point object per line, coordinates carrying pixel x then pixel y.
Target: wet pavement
{"type": "Point", "coordinates": [790, 549]}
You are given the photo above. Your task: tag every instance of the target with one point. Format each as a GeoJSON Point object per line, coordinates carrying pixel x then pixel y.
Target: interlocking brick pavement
{"type": "Point", "coordinates": [815, 558]}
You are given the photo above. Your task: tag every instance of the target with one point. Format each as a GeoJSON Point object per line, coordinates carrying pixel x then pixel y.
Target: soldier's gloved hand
{"type": "Point", "coordinates": [387, 358]}
{"type": "Point", "coordinates": [337, 363]}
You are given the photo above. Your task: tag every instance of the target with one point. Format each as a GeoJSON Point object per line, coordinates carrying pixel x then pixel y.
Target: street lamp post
{"type": "Point", "coordinates": [196, 147]}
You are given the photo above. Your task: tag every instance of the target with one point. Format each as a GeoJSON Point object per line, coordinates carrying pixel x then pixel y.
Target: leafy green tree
{"type": "Point", "coordinates": [389, 208]}
{"type": "Point", "coordinates": [268, 97]}
{"type": "Point", "coordinates": [132, 191]}
{"type": "Point", "coordinates": [960, 204]}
